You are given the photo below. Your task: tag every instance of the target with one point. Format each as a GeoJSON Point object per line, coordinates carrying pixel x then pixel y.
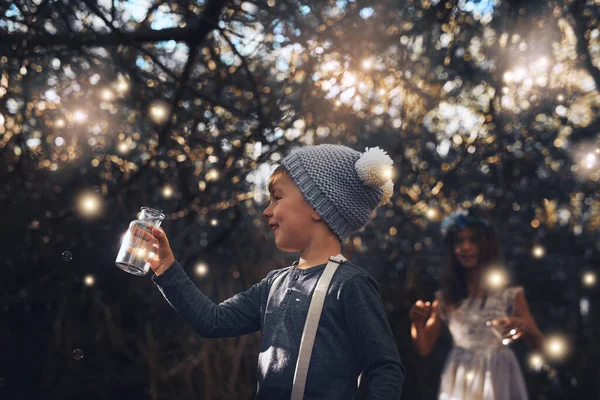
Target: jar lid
{"type": "Point", "coordinates": [153, 211]}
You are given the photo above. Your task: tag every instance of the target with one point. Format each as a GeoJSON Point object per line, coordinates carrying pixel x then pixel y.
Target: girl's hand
{"type": "Point", "coordinates": [511, 328]}
{"type": "Point", "coordinates": [419, 312]}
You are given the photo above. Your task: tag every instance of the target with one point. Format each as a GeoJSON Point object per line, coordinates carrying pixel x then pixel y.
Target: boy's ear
{"type": "Point", "coordinates": [315, 216]}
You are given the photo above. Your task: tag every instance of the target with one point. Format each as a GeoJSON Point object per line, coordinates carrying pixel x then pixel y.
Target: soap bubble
{"type": "Point", "coordinates": [77, 354]}
{"type": "Point", "coordinates": [67, 256]}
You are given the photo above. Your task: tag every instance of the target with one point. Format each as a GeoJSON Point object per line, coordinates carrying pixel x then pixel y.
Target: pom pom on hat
{"type": "Point", "coordinates": [374, 167]}
{"type": "Point", "coordinates": [388, 190]}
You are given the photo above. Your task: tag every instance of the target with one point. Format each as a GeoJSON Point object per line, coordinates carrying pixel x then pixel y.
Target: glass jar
{"type": "Point", "coordinates": [134, 249]}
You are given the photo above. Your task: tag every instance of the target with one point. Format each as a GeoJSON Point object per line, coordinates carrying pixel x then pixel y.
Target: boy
{"type": "Point", "coordinates": [319, 196]}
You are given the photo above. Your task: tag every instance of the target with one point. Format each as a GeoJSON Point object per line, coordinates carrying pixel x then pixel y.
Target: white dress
{"type": "Point", "coordinates": [479, 366]}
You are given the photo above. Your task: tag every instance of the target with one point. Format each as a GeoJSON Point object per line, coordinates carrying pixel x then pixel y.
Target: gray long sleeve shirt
{"type": "Point", "coordinates": [353, 335]}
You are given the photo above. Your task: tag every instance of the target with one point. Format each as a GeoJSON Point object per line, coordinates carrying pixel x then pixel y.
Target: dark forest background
{"type": "Point", "coordinates": [110, 105]}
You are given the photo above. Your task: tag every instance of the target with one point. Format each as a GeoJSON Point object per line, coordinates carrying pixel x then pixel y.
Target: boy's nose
{"type": "Point", "coordinates": [267, 213]}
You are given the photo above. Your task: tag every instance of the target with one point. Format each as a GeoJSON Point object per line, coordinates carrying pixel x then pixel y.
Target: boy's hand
{"type": "Point", "coordinates": [160, 256]}
{"type": "Point", "coordinates": [419, 312]}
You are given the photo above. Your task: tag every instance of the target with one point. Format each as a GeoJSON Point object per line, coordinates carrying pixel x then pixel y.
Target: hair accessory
{"type": "Point", "coordinates": [460, 219]}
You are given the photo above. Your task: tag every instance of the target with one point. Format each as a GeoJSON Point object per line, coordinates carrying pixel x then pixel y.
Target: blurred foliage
{"type": "Point", "coordinates": [107, 106]}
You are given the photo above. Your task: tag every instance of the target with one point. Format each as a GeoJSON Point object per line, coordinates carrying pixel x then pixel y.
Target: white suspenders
{"type": "Point", "coordinates": [311, 324]}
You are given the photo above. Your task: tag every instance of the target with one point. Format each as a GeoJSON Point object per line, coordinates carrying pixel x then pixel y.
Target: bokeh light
{"type": "Point", "coordinates": [201, 269]}
{"type": "Point", "coordinates": [589, 279]}
{"type": "Point", "coordinates": [556, 347]}
{"type": "Point", "coordinates": [89, 280]}
{"type": "Point", "coordinates": [590, 160]}
{"type": "Point", "coordinates": [212, 175]}
{"type": "Point", "coordinates": [79, 116]}
{"type": "Point", "coordinates": [89, 204]}
{"type": "Point", "coordinates": [107, 95]}
{"type": "Point", "coordinates": [432, 214]}
{"type": "Point", "coordinates": [123, 148]}
{"type": "Point", "coordinates": [167, 191]}
{"type": "Point", "coordinates": [387, 172]}
{"type": "Point", "coordinates": [496, 278]}
{"type": "Point", "coordinates": [538, 251]}
{"type": "Point", "coordinates": [158, 112]}
{"type": "Point", "coordinates": [536, 361]}
{"type": "Point", "coordinates": [122, 86]}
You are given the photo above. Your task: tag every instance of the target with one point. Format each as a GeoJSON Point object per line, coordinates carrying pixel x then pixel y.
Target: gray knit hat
{"type": "Point", "coordinates": [343, 185]}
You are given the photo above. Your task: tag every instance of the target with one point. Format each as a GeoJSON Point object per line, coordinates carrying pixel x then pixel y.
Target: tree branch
{"type": "Point", "coordinates": [579, 27]}
{"type": "Point", "coordinates": [193, 33]}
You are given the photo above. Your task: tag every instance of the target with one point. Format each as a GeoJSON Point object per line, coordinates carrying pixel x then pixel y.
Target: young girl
{"type": "Point", "coordinates": [481, 319]}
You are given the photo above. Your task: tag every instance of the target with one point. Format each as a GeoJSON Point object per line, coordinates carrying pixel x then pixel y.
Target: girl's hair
{"type": "Point", "coordinates": [454, 283]}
